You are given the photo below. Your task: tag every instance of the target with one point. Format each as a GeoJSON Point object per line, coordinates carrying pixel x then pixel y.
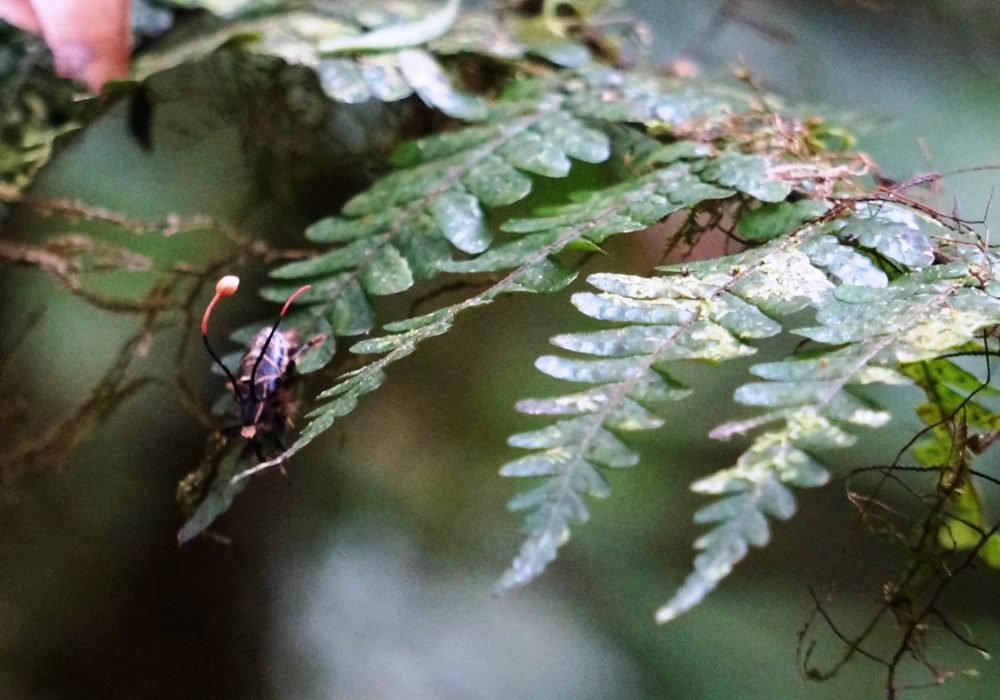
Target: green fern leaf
{"type": "Point", "coordinates": [743, 522]}
{"type": "Point", "coordinates": [919, 316]}
{"type": "Point", "coordinates": [528, 256]}
{"type": "Point", "coordinates": [219, 497]}
{"type": "Point", "coordinates": [682, 316]}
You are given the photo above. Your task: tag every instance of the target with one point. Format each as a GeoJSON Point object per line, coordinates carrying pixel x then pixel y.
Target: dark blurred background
{"type": "Point", "coordinates": [367, 571]}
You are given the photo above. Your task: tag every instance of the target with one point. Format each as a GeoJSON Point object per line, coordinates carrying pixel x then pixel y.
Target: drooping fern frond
{"type": "Point", "coordinates": [694, 315]}
{"type": "Point", "coordinates": [869, 328]}
{"type": "Point", "coordinates": [919, 315]}
{"type": "Point", "coordinates": [631, 392]}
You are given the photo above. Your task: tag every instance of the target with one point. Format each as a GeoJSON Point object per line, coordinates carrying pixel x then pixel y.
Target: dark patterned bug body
{"type": "Point", "coordinates": [260, 381]}
{"type": "Point", "coordinates": [260, 385]}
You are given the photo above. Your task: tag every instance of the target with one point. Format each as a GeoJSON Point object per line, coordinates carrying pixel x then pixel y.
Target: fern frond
{"type": "Point", "coordinates": [317, 40]}
{"type": "Point", "coordinates": [919, 316]}
{"type": "Point", "coordinates": [670, 318]}
{"type": "Point", "coordinates": [871, 330]}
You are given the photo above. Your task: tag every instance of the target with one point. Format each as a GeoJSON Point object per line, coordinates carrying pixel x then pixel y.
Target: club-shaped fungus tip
{"type": "Point", "coordinates": [227, 286]}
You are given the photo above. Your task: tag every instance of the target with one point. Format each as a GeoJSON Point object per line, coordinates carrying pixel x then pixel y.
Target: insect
{"type": "Point", "coordinates": [260, 382]}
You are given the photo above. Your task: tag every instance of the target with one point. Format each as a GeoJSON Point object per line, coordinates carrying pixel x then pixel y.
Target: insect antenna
{"type": "Point", "coordinates": [225, 287]}
{"type": "Point", "coordinates": [274, 329]}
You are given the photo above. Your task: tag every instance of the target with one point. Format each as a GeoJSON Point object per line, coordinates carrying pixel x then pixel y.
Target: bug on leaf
{"type": "Point", "coordinates": [260, 382]}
